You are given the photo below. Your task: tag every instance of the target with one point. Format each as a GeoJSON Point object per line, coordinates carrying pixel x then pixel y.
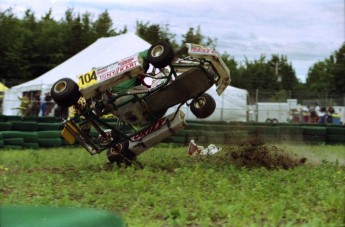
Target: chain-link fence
{"type": "Point", "coordinates": [295, 106]}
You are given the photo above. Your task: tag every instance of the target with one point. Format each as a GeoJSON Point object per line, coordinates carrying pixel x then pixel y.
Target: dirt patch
{"type": "Point", "coordinates": [255, 153]}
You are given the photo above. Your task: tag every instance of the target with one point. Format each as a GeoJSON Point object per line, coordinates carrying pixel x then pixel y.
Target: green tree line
{"type": "Point", "coordinates": [31, 46]}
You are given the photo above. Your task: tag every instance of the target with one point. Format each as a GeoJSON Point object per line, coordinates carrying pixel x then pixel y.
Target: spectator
{"type": "Point", "coordinates": [24, 104]}
{"type": "Point", "coordinates": [313, 114]}
{"type": "Point", "coordinates": [36, 104]}
{"type": "Point", "coordinates": [330, 113]}
{"type": "Point", "coordinates": [47, 105]}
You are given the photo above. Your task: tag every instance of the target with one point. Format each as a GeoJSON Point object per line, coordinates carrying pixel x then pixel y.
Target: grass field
{"type": "Point", "coordinates": [170, 188]}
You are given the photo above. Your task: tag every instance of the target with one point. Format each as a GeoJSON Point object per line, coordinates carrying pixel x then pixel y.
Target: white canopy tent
{"type": "Point", "coordinates": [231, 105]}
{"type": "Point", "coordinates": [102, 52]}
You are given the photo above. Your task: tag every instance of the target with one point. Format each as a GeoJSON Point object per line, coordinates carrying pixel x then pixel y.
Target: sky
{"type": "Point", "coordinates": [305, 31]}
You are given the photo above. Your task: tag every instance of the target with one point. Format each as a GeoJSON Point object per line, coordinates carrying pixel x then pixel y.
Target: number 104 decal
{"type": "Point", "coordinates": [87, 79]}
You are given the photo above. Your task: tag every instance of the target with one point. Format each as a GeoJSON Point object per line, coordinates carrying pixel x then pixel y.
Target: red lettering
{"type": "Point", "coordinates": [125, 67]}
{"type": "Point", "coordinates": [200, 49]}
{"type": "Point", "coordinates": [107, 75]}
{"type": "Point", "coordinates": [151, 129]}
{"type": "Point", "coordinates": [126, 61]}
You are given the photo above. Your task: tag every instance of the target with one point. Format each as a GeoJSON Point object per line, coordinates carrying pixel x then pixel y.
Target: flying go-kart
{"type": "Point", "coordinates": [138, 91]}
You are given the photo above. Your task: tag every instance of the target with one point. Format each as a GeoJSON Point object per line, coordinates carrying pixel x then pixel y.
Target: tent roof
{"type": "Point", "coordinates": [102, 52]}
{"type": "Point", "coordinates": [3, 87]}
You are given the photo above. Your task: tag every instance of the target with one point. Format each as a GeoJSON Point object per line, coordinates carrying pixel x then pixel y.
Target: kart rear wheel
{"type": "Point", "coordinates": [161, 54]}
{"type": "Point", "coordinates": [203, 106]}
{"type": "Point", "coordinates": [65, 92]}
{"type": "Point", "coordinates": [120, 154]}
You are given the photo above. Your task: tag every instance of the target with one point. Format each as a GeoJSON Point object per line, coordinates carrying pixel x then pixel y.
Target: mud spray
{"type": "Point", "coordinates": [254, 152]}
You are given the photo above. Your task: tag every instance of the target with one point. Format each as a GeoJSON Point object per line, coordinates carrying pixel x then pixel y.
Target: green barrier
{"type": "Point", "coordinates": [13, 118]}
{"type": "Point", "coordinates": [12, 147]}
{"type": "Point", "coordinates": [31, 216]}
{"type": "Point", "coordinates": [24, 126]}
{"type": "Point", "coordinates": [14, 141]}
{"type": "Point", "coordinates": [49, 119]}
{"type": "Point", "coordinates": [49, 126]}
{"type": "Point", "coordinates": [30, 137]}
{"type": "Point", "coordinates": [30, 118]}
{"type": "Point", "coordinates": [292, 130]}
{"type": "Point", "coordinates": [49, 142]}
{"type": "Point", "coordinates": [335, 130]}
{"type": "Point", "coordinates": [49, 134]}
{"type": "Point", "coordinates": [314, 139]}
{"type": "Point", "coordinates": [5, 126]}
{"type": "Point", "coordinates": [314, 131]}
{"type": "Point", "coordinates": [335, 138]}
{"type": "Point", "coordinates": [11, 134]}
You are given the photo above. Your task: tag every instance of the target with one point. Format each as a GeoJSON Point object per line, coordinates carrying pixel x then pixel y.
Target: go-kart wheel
{"type": "Point", "coordinates": [203, 106]}
{"type": "Point", "coordinates": [120, 154]}
{"type": "Point", "coordinates": [161, 54]}
{"type": "Point", "coordinates": [65, 92]}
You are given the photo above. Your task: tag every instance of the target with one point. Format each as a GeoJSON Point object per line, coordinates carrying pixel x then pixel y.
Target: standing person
{"type": "Point", "coordinates": [36, 105]}
{"type": "Point", "coordinates": [47, 105]}
{"type": "Point", "coordinates": [330, 113]}
{"type": "Point", "coordinates": [313, 115]}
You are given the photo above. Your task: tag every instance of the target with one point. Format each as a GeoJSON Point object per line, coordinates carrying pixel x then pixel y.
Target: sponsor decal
{"type": "Point", "coordinates": [202, 50]}
{"type": "Point", "coordinates": [151, 129]}
{"type": "Point", "coordinates": [107, 75]}
{"type": "Point", "coordinates": [102, 70]}
{"type": "Point", "coordinates": [119, 67]}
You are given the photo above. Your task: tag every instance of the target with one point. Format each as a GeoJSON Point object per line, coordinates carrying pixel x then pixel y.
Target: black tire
{"type": "Point", "coordinates": [203, 106]}
{"type": "Point", "coordinates": [161, 54]}
{"type": "Point", "coordinates": [275, 121]}
{"type": "Point", "coordinates": [121, 154]}
{"type": "Point", "coordinates": [146, 65]}
{"type": "Point", "coordinates": [65, 92]}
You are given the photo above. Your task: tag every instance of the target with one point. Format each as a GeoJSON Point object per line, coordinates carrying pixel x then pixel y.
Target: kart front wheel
{"type": "Point", "coordinates": [203, 106]}
{"type": "Point", "coordinates": [161, 54]}
{"type": "Point", "coordinates": [65, 92]}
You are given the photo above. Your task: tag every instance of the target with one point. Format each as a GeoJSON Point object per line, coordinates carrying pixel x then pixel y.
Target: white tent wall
{"type": "Point", "coordinates": [102, 52]}
{"type": "Point", "coordinates": [231, 106]}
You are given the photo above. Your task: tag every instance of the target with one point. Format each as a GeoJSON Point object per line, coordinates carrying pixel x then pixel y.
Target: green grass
{"type": "Point", "coordinates": [174, 189]}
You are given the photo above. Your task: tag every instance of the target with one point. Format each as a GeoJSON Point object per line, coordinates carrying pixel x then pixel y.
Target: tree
{"type": "Point", "coordinates": [320, 77]}
{"type": "Point", "coordinates": [232, 65]}
{"type": "Point", "coordinates": [284, 73]}
{"type": "Point", "coordinates": [152, 33]}
{"type": "Point", "coordinates": [103, 25]}
{"type": "Point", "coordinates": [338, 70]}
{"type": "Point", "coordinates": [257, 74]}
{"type": "Point", "coordinates": [328, 75]}
{"type": "Point", "coordinates": [195, 36]}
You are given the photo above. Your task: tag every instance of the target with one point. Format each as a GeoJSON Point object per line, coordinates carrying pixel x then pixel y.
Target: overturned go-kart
{"type": "Point", "coordinates": [138, 91]}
